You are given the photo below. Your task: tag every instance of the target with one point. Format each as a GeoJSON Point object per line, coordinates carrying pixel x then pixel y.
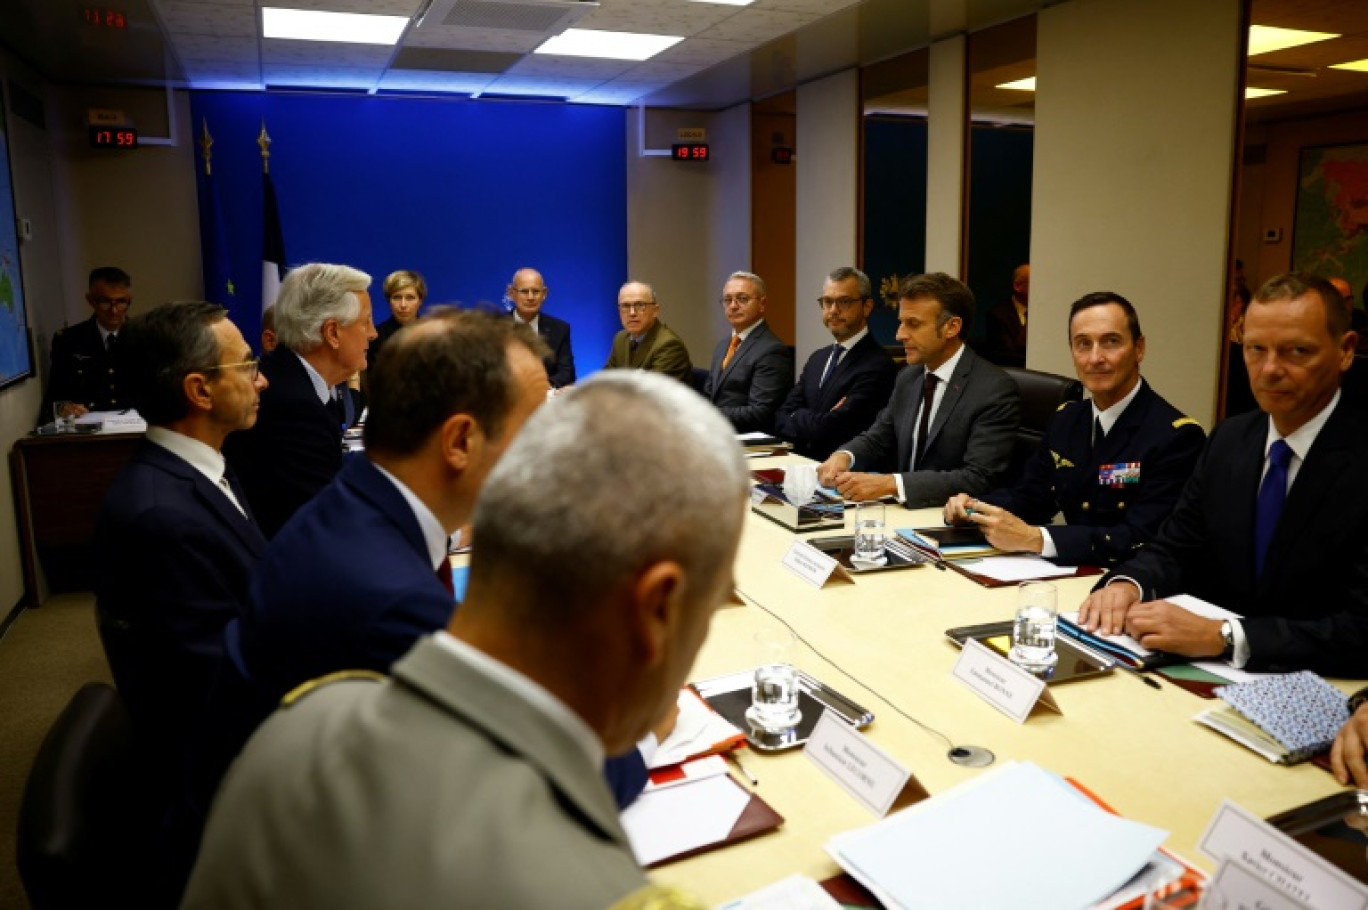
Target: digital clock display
{"type": "Point", "coordinates": [113, 137]}
{"type": "Point", "coordinates": [689, 151]}
{"type": "Point", "coordinates": [104, 18]}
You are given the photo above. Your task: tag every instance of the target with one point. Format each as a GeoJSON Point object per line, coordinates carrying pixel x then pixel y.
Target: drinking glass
{"type": "Point", "coordinates": [774, 691]}
{"type": "Point", "coordinates": [869, 531]}
{"type": "Point", "coordinates": [64, 416]}
{"type": "Point", "coordinates": [1033, 630]}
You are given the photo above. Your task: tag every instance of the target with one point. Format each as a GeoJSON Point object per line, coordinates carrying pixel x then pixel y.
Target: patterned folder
{"type": "Point", "coordinates": [1300, 710]}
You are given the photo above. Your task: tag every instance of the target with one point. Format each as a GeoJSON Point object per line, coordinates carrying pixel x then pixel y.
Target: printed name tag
{"type": "Point", "coordinates": [1236, 835]}
{"type": "Point", "coordinates": [1236, 887]}
{"type": "Point", "coordinates": [1119, 474]}
{"type": "Point", "coordinates": [1001, 683]}
{"type": "Point", "coordinates": [863, 770]}
{"type": "Point", "coordinates": [812, 565]}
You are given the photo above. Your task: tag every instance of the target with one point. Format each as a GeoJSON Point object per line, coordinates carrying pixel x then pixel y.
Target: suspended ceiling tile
{"type": "Point", "coordinates": [328, 53]}
{"type": "Point", "coordinates": [556, 67]}
{"type": "Point", "coordinates": [221, 69]}
{"type": "Point", "coordinates": [702, 51]}
{"type": "Point", "coordinates": [661, 71]}
{"type": "Point", "coordinates": [516, 85]}
{"type": "Point", "coordinates": [811, 7]}
{"type": "Point", "coordinates": [453, 60]}
{"type": "Point", "coordinates": [184, 17]}
{"type": "Point", "coordinates": [674, 17]}
{"type": "Point", "coordinates": [617, 92]}
{"type": "Point", "coordinates": [758, 25]}
{"type": "Point", "coordinates": [479, 39]}
{"type": "Point", "coordinates": [429, 81]}
{"type": "Point", "coordinates": [320, 76]}
{"type": "Point", "coordinates": [212, 47]}
{"type": "Point", "coordinates": [377, 7]}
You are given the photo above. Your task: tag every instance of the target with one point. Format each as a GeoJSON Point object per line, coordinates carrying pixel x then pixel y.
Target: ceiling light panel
{"type": "Point", "coordinates": [1251, 93]}
{"type": "Point", "coordinates": [588, 42]}
{"type": "Point", "coordinates": [1021, 85]}
{"type": "Point", "coordinates": [317, 25]}
{"type": "Point", "coordinates": [1358, 66]}
{"type": "Point", "coordinates": [726, 2]}
{"type": "Point", "coordinates": [1264, 39]}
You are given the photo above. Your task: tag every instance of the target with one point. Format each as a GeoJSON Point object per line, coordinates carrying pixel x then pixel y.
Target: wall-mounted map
{"type": "Point", "coordinates": [15, 363]}
{"type": "Point", "coordinates": [1330, 237]}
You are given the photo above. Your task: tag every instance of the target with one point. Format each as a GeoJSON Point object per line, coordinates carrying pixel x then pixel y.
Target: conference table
{"type": "Point", "coordinates": [881, 642]}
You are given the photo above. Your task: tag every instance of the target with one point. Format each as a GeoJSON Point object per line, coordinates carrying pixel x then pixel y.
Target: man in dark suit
{"type": "Point", "coordinates": [528, 293]}
{"type": "Point", "coordinates": [646, 343]}
{"type": "Point", "coordinates": [844, 386]}
{"type": "Point", "coordinates": [952, 421]}
{"type": "Point", "coordinates": [85, 371]}
{"type": "Point", "coordinates": [1114, 466]}
{"type": "Point", "coordinates": [175, 540]}
{"type": "Point", "coordinates": [323, 325]}
{"type": "Point", "coordinates": [752, 371]}
{"type": "Point", "coordinates": [1272, 523]}
{"type": "Point", "coordinates": [1005, 336]}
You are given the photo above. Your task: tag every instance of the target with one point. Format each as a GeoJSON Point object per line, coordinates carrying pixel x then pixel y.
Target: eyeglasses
{"type": "Point", "coordinates": [738, 299]}
{"type": "Point", "coordinates": [112, 303]}
{"type": "Point", "coordinates": [254, 363]}
{"type": "Point", "coordinates": [638, 307]}
{"type": "Point", "coordinates": [840, 303]}
{"type": "Point", "coordinates": [529, 292]}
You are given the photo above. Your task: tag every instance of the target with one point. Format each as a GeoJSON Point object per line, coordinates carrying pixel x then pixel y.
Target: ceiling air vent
{"type": "Point", "coordinates": [540, 16]}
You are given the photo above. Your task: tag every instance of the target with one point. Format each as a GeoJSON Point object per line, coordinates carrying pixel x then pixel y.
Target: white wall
{"type": "Point", "coordinates": [1134, 155]}
{"type": "Point", "coordinates": [945, 156]}
{"type": "Point", "coordinates": [827, 150]}
{"type": "Point", "coordinates": [689, 224]}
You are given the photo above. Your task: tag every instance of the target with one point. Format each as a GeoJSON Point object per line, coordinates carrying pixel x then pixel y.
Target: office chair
{"type": "Point", "coordinates": [1041, 396]}
{"type": "Point", "coordinates": [82, 832]}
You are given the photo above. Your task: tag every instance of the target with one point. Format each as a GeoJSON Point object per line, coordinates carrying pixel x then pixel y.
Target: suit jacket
{"type": "Point", "coordinates": [661, 351]}
{"type": "Point", "coordinates": [1107, 521]}
{"type": "Point", "coordinates": [294, 449]}
{"type": "Point", "coordinates": [438, 788]}
{"type": "Point", "coordinates": [751, 388]}
{"type": "Point", "coordinates": [84, 371]}
{"type": "Point", "coordinates": [560, 366]}
{"type": "Point", "coordinates": [1005, 336]}
{"type": "Point", "coordinates": [861, 383]}
{"type": "Point", "coordinates": [970, 440]}
{"type": "Point", "coordinates": [383, 332]}
{"type": "Point", "coordinates": [1309, 610]}
{"type": "Point", "coordinates": [174, 556]}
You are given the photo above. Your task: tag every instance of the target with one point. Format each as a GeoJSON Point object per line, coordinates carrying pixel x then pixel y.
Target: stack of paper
{"type": "Point", "coordinates": [113, 421]}
{"type": "Point", "coordinates": [1016, 837]}
{"type": "Point", "coordinates": [698, 731]}
{"type": "Point", "coordinates": [684, 816]}
{"type": "Point", "coordinates": [950, 542]}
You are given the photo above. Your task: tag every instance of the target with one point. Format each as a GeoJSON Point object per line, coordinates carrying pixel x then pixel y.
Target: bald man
{"type": "Point", "coordinates": [528, 292]}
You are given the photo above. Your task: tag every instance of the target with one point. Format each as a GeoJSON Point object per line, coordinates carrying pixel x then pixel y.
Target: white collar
{"type": "Point", "coordinates": [743, 335]}
{"type": "Point", "coordinates": [1111, 415]}
{"type": "Point", "coordinates": [1301, 439]}
{"type": "Point", "coordinates": [320, 385]}
{"type": "Point", "coordinates": [199, 455]}
{"type": "Point", "coordinates": [533, 322]}
{"type": "Point", "coordinates": [849, 343]}
{"type": "Point", "coordinates": [946, 371]}
{"type": "Point", "coordinates": [528, 690]}
{"type": "Point", "coordinates": [434, 535]}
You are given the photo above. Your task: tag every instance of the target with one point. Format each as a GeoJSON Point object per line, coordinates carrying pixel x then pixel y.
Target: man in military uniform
{"type": "Point", "coordinates": [1113, 465]}
{"type": "Point", "coordinates": [84, 368]}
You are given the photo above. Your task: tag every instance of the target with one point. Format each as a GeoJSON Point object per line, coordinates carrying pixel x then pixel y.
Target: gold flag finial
{"type": "Point", "coordinates": [206, 145]}
{"type": "Point", "coordinates": [264, 141]}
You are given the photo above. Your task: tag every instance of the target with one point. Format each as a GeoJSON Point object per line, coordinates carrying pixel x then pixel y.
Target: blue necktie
{"type": "Point", "coordinates": [1272, 495]}
{"type": "Point", "coordinates": [832, 360]}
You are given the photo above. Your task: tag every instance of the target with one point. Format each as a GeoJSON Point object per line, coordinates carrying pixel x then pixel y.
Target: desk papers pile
{"type": "Point", "coordinates": [1016, 836]}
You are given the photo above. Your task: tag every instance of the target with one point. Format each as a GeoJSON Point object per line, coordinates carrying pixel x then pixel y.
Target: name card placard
{"type": "Point", "coordinates": [1237, 888]}
{"type": "Point", "coordinates": [874, 778]}
{"type": "Point", "coordinates": [1236, 835]}
{"type": "Point", "coordinates": [812, 565]}
{"type": "Point", "coordinates": [1007, 687]}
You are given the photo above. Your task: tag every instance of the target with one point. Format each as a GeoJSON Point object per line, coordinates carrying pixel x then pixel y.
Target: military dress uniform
{"type": "Point", "coordinates": [84, 369]}
{"type": "Point", "coordinates": [1115, 491]}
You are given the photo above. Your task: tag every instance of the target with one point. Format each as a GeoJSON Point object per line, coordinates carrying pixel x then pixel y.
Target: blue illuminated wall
{"type": "Point", "coordinates": [464, 192]}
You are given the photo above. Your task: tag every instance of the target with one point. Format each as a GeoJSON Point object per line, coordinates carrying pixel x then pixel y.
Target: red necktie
{"type": "Point", "coordinates": [444, 576]}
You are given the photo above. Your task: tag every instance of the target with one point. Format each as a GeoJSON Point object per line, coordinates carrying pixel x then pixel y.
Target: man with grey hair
{"type": "Point", "coordinates": [646, 343]}
{"type": "Point", "coordinates": [484, 747]}
{"type": "Point", "coordinates": [751, 371]}
{"type": "Point", "coordinates": [323, 327]}
{"type": "Point", "coordinates": [844, 386]}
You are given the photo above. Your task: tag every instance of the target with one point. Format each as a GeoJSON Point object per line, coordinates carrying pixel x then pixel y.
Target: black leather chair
{"type": "Point", "coordinates": [83, 835]}
{"type": "Point", "coordinates": [1041, 396]}
{"type": "Point", "coordinates": [698, 379]}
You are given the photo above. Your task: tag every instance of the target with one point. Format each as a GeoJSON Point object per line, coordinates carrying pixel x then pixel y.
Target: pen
{"type": "Point", "coordinates": [736, 759]}
{"type": "Point", "coordinates": [1140, 675]}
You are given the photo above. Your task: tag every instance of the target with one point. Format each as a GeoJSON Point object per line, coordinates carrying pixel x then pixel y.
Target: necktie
{"type": "Point", "coordinates": [1272, 495]}
{"type": "Point", "coordinates": [336, 410]}
{"type": "Point", "coordinates": [444, 576]}
{"type": "Point", "coordinates": [731, 350]}
{"type": "Point", "coordinates": [110, 341]}
{"type": "Point", "coordinates": [924, 421]}
{"type": "Point", "coordinates": [632, 347]}
{"type": "Point", "coordinates": [1099, 434]}
{"type": "Point", "coordinates": [832, 360]}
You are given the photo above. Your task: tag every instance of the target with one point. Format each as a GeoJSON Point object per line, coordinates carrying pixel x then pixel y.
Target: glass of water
{"type": "Point", "coordinates": [869, 532]}
{"type": "Point", "coordinates": [64, 416]}
{"type": "Point", "coordinates": [774, 691]}
{"type": "Point", "coordinates": [1033, 630]}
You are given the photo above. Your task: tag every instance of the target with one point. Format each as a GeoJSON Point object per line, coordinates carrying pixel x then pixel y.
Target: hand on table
{"type": "Point", "coordinates": [859, 487]}
{"type": "Point", "coordinates": [1104, 610]}
{"type": "Point", "coordinates": [1162, 626]}
{"type": "Point", "coordinates": [1003, 529]}
{"type": "Point", "coordinates": [829, 470]}
{"type": "Point", "coordinates": [1347, 754]}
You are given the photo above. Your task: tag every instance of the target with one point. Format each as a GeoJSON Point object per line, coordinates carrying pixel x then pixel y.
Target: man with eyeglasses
{"type": "Point", "coordinates": [646, 343]}
{"type": "Point", "coordinates": [752, 371]}
{"type": "Point", "coordinates": [844, 386]}
{"type": "Point", "coordinates": [176, 542]}
{"type": "Point", "coordinates": [85, 373]}
{"type": "Point", "coordinates": [528, 293]}
{"type": "Point", "coordinates": [1114, 466]}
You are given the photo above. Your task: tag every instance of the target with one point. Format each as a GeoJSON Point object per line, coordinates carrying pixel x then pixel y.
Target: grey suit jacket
{"type": "Point", "coordinates": [438, 788]}
{"type": "Point", "coordinates": [753, 386]}
{"type": "Point", "coordinates": [970, 441]}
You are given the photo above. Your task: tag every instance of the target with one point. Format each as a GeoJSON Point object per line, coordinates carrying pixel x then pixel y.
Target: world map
{"type": "Point", "coordinates": [1331, 235]}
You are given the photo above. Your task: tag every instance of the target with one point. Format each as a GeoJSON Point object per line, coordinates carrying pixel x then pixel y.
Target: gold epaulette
{"type": "Point", "coordinates": [294, 695]}
{"type": "Point", "coordinates": [1184, 421]}
{"type": "Point", "coordinates": [1063, 405]}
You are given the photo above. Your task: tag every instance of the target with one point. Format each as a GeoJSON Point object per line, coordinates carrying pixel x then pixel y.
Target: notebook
{"type": "Point", "coordinates": [1287, 718]}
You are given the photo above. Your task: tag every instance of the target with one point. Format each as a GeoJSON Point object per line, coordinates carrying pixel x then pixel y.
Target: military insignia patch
{"type": "Point", "coordinates": [1060, 461]}
{"type": "Point", "coordinates": [1119, 474]}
